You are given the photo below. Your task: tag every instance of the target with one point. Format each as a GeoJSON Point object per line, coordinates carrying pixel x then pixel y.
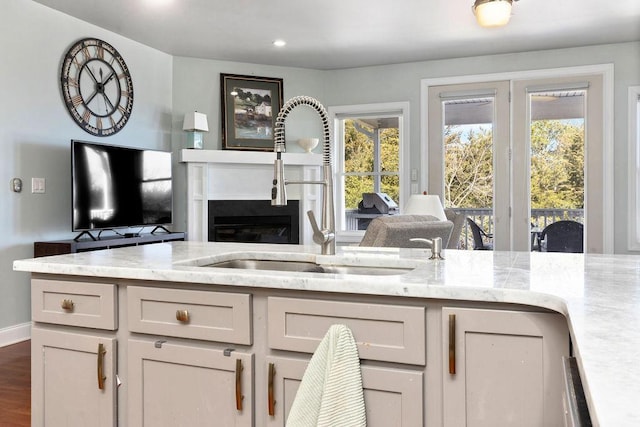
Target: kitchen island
{"type": "Point", "coordinates": [599, 295]}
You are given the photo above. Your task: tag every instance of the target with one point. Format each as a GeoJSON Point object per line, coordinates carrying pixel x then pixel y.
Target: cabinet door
{"type": "Point", "coordinates": [392, 397]}
{"type": "Point", "coordinates": [65, 372]}
{"type": "Point", "coordinates": [181, 385]}
{"type": "Point", "coordinates": [503, 367]}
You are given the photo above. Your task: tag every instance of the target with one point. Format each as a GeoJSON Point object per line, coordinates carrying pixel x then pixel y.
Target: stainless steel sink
{"type": "Point", "coordinates": [307, 267]}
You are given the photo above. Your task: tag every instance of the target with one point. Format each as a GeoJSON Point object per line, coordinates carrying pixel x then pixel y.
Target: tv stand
{"type": "Point", "coordinates": [161, 227]}
{"type": "Point", "coordinates": [60, 247]}
{"type": "Point", "coordinates": [77, 238]}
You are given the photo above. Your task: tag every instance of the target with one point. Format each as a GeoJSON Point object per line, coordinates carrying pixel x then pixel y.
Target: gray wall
{"type": "Point", "coordinates": [196, 87]}
{"type": "Point", "coordinates": [35, 127]}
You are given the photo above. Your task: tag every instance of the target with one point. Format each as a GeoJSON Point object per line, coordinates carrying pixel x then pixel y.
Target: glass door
{"type": "Point", "coordinates": [469, 157]}
{"type": "Point", "coordinates": [516, 169]}
{"type": "Point", "coordinates": [557, 136]}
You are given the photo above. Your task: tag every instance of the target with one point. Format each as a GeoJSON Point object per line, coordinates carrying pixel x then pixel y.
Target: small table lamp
{"type": "Point", "coordinates": [425, 204]}
{"type": "Point", "coordinates": [195, 123]}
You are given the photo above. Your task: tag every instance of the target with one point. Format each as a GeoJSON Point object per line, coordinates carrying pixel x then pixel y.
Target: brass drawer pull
{"type": "Point", "coordinates": [182, 316]}
{"type": "Point", "coordinates": [452, 344]}
{"type": "Point", "coordinates": [272, 400]}
{"type": "Point", "coordinates": [239, 396]}
{"type": "Point", "coordinates": [67, 304]}
{"type": "Point", "coordinates": [101, 377]}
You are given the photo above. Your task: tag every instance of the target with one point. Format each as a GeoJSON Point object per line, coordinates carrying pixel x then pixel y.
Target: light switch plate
{"type": "Point", "coordinates": [37, 185]}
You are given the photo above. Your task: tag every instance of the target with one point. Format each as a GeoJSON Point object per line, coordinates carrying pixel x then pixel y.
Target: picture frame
{"type": "Point", "coordinates": [250, 105]}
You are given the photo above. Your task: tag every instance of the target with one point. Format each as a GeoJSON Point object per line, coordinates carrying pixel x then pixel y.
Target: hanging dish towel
{"type": "Point", "coordinates": [330, 394]}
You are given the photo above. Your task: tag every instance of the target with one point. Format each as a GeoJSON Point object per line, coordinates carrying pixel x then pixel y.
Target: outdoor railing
{"type": "Point", "coordinates": [540, 218]}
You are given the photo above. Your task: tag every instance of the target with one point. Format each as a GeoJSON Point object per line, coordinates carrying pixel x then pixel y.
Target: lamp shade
{"type": "Point", "coordinates": [492, 13]}
{"type": "Point", "coordinates": [195, 122]}
{"type": "Point", "coordinates": [425, 204]}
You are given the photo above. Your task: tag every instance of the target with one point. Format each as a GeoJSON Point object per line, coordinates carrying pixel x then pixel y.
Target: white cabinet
{"type": "Point", "coordinates": [502, 367]}
{"type": "Point", "coordinates": [392, 396]}
{"type": "Point", "coordinates": [392, 334]}
{"type": "Point", "coordinates": [197, 377]}
{"type": "Point", "coordinates": [73, 380]}
{"type": "Point", "coordinates": [73, 369]}
{"type": "Point", "coordinates": [199, 355]}
{"type": "Point", "coordinates": [184, 385]}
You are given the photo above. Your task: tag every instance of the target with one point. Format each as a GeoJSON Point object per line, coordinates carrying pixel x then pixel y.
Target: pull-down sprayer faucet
{"type": "Point", "coordinates": [324, 235]}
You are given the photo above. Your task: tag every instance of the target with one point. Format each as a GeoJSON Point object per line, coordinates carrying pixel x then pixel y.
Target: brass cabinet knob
{"type": "Point", "coordinates": [67, 304]}
{"type": "Point", "coordinates": [182, 316]}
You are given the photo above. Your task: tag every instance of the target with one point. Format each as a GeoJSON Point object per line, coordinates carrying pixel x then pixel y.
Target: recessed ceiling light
{"type": "Point", "coordinates": [158, 3]}
{"type": "Point", "coordinates": [279, 43]}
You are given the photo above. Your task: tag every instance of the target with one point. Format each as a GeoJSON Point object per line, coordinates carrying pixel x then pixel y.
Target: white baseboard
{"type": "Point", "coordinates": [15, 334]}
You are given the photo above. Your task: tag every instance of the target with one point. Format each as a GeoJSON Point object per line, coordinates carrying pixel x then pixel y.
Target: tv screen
{"type": "Point", "coordinates": [117, 187]}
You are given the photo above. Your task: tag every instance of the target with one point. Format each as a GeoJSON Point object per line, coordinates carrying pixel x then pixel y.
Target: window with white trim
{"type": "Point", "coordinates": [371, 146]}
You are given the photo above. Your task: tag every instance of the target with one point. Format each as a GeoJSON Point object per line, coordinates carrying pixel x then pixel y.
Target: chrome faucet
{"type": "Point", "coordinates": [325, 235]}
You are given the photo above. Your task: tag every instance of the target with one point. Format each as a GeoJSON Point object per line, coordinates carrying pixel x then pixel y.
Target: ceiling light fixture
{"type": "Point", "coordinates": [279, 43]}
{"type": "Point", "coordinates": [492, 13]}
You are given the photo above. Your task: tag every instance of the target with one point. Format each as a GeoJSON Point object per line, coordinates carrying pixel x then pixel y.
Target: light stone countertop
{"type": "Point", "coordinates": [599, 294]}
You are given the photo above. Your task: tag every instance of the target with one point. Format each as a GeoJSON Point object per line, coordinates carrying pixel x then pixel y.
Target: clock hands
{"type": "Point", "coordinates": [91, 74]}
{"type": "Point", "coordinates": [100, 88]}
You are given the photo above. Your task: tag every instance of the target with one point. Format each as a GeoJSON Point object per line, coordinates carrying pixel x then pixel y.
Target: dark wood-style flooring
{"type": "Point", "coordinates": [15, 385]}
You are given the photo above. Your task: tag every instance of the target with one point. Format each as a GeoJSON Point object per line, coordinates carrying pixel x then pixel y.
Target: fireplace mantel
{"type": "Point", "coordinates": [248, 157]}
{"type": "Point", "coordinates": [238, 175]}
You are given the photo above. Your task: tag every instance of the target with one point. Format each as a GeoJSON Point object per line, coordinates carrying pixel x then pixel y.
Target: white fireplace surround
{"type": "Point", "coordinates": [247, 175]}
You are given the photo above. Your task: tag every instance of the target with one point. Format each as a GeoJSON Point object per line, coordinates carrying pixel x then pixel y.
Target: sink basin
{"type": "Point", "coordinates": [307, 267]}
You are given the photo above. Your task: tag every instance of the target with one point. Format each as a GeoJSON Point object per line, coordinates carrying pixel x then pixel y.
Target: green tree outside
{"type": "Point", "coordinates": [359, 162]}
{"type": "Point", "coordinates": [557, 166]}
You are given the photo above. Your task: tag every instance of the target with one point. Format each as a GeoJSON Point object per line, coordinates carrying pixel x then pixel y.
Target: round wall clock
{"type": "Point", "coordinates": [97, 87]}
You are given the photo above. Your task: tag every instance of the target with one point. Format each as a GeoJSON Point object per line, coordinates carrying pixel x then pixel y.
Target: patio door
{"type": "Point", "coordinates": [469, 153]}
{"type": "Point", "coordinates": [482, 152]}
{"type": "Point", "coordinates": [558, 138]}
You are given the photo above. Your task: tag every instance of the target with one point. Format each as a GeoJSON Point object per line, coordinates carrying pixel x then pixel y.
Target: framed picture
{"type": "Point", "coordinates": [250, 106]}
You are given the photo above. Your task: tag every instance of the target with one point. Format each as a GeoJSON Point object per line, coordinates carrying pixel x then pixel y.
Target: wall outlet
{"type": "Point", "coordinates": [37, 185]}
{"type": "Point", "coordinates": [414, 174]}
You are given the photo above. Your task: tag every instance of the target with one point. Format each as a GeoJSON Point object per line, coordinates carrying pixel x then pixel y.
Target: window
{"type": "Point", "coordinates": [370, 147]}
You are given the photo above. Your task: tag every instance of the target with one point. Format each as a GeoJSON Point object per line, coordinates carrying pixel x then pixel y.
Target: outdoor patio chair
{"type": "Point", "coordinates": [480, 237]}
{"type": "Point", "coordinates": [562, 236]}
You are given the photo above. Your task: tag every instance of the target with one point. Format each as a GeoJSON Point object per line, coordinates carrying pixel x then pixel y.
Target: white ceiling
{"type": "Point", "coordinates": [334, 34]}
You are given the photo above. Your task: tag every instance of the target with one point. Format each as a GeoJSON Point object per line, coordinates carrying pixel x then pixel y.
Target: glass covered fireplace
{"type": "Point", "coordinates": [253, 221]}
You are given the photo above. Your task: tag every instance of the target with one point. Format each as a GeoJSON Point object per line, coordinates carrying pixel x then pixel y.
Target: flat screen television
{"type": "Point", "coordinates": [118, 187]}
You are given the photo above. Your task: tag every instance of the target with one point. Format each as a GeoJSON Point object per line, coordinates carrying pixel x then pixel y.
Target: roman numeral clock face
{"type": "Point", "coordinates": [97, 87]}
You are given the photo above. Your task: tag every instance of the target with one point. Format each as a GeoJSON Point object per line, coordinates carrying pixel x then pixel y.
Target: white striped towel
{"type": "Point", "coordinates": [330, 394]}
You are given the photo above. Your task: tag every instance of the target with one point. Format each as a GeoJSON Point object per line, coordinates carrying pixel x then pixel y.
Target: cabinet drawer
{"type": "Point", "coordinates": [390, 333]}
{"type": "Point", "coordinates": [90, 305]}
{"type": "Point", "coordinates": [212, 316]}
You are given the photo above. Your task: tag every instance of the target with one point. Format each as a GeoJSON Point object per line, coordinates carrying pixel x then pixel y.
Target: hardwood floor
{"type": "Point", "coordinates": [15, 385]}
